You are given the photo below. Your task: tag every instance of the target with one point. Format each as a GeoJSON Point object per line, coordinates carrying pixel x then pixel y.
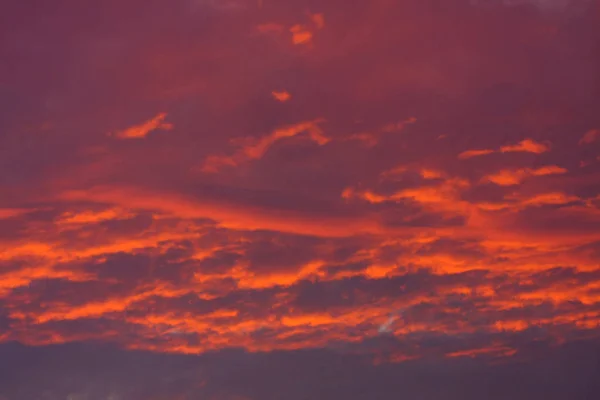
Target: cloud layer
{"type": "Point", "coordinates": [391, 187]}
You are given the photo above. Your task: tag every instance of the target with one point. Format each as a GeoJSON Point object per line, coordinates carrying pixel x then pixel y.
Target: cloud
{"type": "Point", "coordinates": [514, 177]}
{"type": "Point", "coordinates": [252, 149]}
{"type": "Point", "coordinates": [590, 136]}
{"type": "Point", "coordinates": [524, 146]}
{"type": "Point", "coordinates": [474, 153]}
{"type": "Point", "coordinates": [142, 130]}
{"type": "Point", "coordinates": [301, 34]}
{"type": "Point", "coordinates": [229, 216]}
{"type": "Point", "coordinates": [281, 96]}
{"type": "Point", "coordinates": [557, 198]}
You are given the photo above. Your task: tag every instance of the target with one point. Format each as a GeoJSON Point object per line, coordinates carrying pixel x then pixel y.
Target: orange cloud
{"type": "Point", "coordinates": [282, 96]}
{"type": "Point", "coordinates": [252, 149]}
{"type": "Point", "coordinates": [300, 35]}
{"type": "Point", "coordinates": [88, 216]}
{"type": "Point", "coordinates": [228, 215]}
{"type": "Point", "coordinates": [142, 130]}
{"type": "Point", "coordinates": [548, 170]}
{"type": "Point", "coordinates": [157, 313]}
{"type": "Point", "coordinates": [526, 146]}
{"type": "Point", "coordinates": [517, 202]}
{"type": "Point", "coordinates": [442, 198]}
{"type": "Point", "coordinates": [427, 173]}
{"type": "Point", "coordinates": [509, 177]}
{"type": "Point", "coordinates": [103, 307]}
{"type": "Point", "coordinates": [549, 198]}
{"type": "Point", "coordinates": [258, 149]}
{"type": "Point", "coordinates": [474, 153]}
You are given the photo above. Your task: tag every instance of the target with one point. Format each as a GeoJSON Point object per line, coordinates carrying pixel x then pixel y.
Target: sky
{"type": "Point", "coordinates": [276, 199]}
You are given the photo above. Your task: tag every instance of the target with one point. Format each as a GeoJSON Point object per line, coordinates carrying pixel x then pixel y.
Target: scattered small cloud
{"type": "Point", "coordinates": [509, 177]}
{"type": "Point", "coordinates": [526, 146]}
{"type": "Point", "coordinates": [427, 173]}
{"type": "Point", "coordinates": [142, 130]}
{"type": "Point", "coordinates": [474, 153]}
{"type": "Point", "coordinates": [255, 148]}
{"type": "Point", "coordinates": [552, 198]}
{"type": "Point", "coordinates": [301, 33]}
{"type": "Point", "coordinates": [281, 96]}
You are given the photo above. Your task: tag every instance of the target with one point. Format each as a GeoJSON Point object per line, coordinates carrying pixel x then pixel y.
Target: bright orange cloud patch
{"type": "Point", "coordinates": [142, 130]}
{"type": "Point", "coordinates": [282, 96]}
{"type": "Point", "coordinates": [303, 34]}
{"type": "Point", "coordinates": [526, 146]}
{"type": "Point", "coordinates": [300, 35]}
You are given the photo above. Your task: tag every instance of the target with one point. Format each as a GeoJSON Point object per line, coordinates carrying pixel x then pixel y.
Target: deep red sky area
{"type": "Point", "coordinates": [272, 199]}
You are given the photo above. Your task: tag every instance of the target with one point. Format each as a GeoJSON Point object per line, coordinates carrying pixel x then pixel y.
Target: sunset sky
{"type": "Point", "coordinates": [307, 199]}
